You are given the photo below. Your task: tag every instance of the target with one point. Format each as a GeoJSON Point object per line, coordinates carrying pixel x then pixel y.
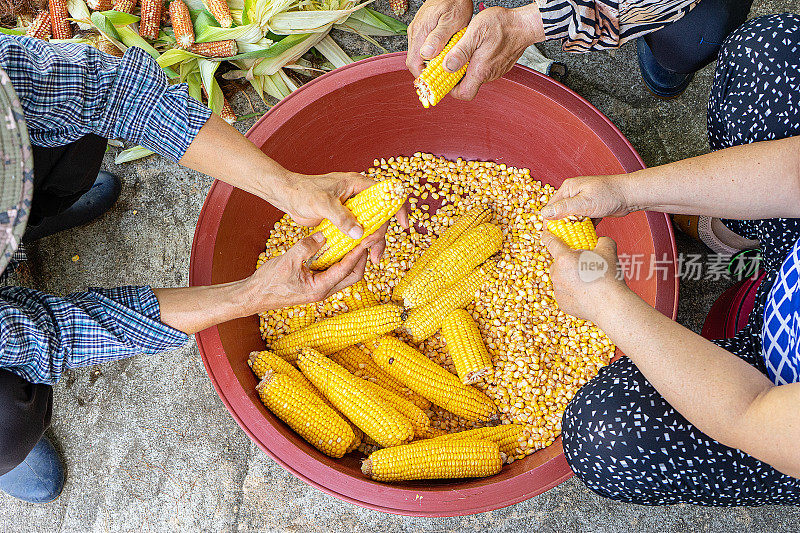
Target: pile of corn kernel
{"type": "Point", "coordinates": [541, 355]}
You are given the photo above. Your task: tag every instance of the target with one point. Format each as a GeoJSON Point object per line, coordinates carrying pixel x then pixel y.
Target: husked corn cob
{"type": "Point", "coordinates": [435, 82]}
{"type": "Point", "coordinates": [58, 20]}
{"type": "Point", "coordinates": [40, 26]}
{"type": "Point", "coordinates": [419, 420]}
{"type": "Point", "coordinates": [100, 5]}
{"type": "Point", "coordinates": [425, 320]}
{"type": "Point", "coordinates": [262, 362]}
{"type": "Point", "coordinates": [453, 264]}
{"type": "Point", "coordinates": [150, 22]}
{"type": "Point", "coordinates": [226, 48]}
{"type": "Point", "coordinates": [181, 23]}
{"type": "Point", "coordinates": [428, 379]}
{"type": "Point", "coordinates": [358, 296]}
{"type": "Point", "coordinates": [470, 219]}
{"type": "Point", "coordinates": [104, 45]}
{"type": "Point", "coordinates": [358, 362]}
{"type": "Point", "coordinates": [124, 6]}
{"type": "Point", "coordinates": [354, 398]}
{"type": "Point", "coordinates": [305, 413]}
{"type": "Point", "coordinates": [220, 10]}
{"type": "Point", "coordinates": [372, 208]}
{"type": "Point", "coordinates": [466, 347]}
{"type": "Point", "coordinates": [337, 332]}
{"type": "Point", "coordinates": [509, 437]}
{"type": "Point", "coordinates": [578, 233]}
{"type": "Point", "coordinates": [399, 7]}
{"type": "Point", "coordinates": [434, 459]}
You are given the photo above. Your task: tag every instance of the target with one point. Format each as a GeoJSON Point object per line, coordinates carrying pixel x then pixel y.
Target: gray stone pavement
{"type": "Point", "coordinates": [149, 445]}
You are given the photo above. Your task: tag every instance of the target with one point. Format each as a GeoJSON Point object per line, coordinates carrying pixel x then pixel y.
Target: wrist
{"type": "Point", "coordinates": [247, 298]}
{"type": "Point", "coordinates": [615, 296]}
{"type": "Point", "coordinates": [528, 19]}
{"type": "Point", "coordinates": [630, 189]}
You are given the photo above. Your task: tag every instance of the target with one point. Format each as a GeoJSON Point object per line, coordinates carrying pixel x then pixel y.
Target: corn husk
{"type": "Point", "coordinates": [132, 154]}
{"type": "Point", "coordinates": [79, 11]}
{"type": "Point", "coordinates": [333, 52]}
{"type": "Point", "coordinates": [309, 21]}
{"type": "Point", "coordinates": [372, 23]}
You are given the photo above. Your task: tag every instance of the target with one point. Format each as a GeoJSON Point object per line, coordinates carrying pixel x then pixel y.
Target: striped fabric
{"type": "Point", "coordinates": [600, 24]}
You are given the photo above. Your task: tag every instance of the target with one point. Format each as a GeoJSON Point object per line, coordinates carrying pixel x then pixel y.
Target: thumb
{"type": "Point", "coordinates": [606, 248]}
{"type": "Point", "coordinates": [305, 249]}
{"type": "Point", "coordinates": [343, 219]}
{"type": "Point", "coordinates": [461, 53]}
{"type": "Point", "coordinates": [575, 205]}
{"type": "Point", "coordinates": [554, 245]}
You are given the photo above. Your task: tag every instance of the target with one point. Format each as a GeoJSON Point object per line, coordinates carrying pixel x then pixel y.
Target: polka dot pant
{"type": "Point", "coordinates": [622, 439]}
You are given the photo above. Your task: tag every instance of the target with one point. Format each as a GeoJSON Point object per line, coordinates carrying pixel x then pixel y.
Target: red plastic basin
{"type": "Point", "coordinates": [342, 121]}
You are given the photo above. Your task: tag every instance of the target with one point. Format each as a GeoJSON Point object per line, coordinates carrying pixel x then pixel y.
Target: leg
{"type": "Point", "coordinates": [626, 443]}
{"type": "Point", "coordinates": [25, 411]}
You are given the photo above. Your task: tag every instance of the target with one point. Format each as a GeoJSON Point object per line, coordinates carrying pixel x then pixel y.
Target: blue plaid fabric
{"type": "Point", "coordinates": [42, 335]}
{"type": "Point", "coordinates": [68, 90]}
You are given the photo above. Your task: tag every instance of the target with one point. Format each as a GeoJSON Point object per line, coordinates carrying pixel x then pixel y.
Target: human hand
{"type": "Point", "coordinates": [433, 25]}
{"type": "Point", "coordinates": [286, 279]}
{"type": "Point", "coordinates": [583, 280]}
{"type": "Point", "coordinates": [495, 39]}
{"type": "Point", "coordinates": [589, 196]}
{"type": "Point", "coordinates": [310, 199]}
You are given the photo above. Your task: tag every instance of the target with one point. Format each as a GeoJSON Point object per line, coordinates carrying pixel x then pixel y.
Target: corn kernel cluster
{"type": "Point", "coordinates": [540, 355]}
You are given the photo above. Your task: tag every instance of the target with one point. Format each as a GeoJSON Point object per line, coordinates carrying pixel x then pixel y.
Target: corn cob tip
{"type": "Point", "coordinates": [265, 380]}
{"type": "Point", "coordinates": [366, 467]}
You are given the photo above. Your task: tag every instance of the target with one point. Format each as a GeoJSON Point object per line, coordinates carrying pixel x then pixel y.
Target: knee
{"type": "Point", "coordinates": [24, 415]}
{"type": "Point", "coordinates": [762, 39]}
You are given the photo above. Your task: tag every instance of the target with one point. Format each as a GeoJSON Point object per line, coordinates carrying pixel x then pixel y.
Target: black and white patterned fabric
{"type": "Point", "coordinates": [622, 439]}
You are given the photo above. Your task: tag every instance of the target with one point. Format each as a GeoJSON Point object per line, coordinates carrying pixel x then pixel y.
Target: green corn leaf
{"type": "Point", "coordinates": [272, 63]}
{"type": "Point", "coordinates": [369, 22]}
{"type": "Point", "coordinates": [188, 68]}
{"type": "Point", "coordinates": [105, 27]}
{"type": "Point", "coordinates": [118, 18]}
{"type": "Point", "coordinates": [248, 6]}
{"type": "Point", "coordinates": [131, 38]}
{"type": "Point", "coordinates": [132, 154]}
{"type": "Point", "coordinates": [174, 56]}
{"type": "Point", "coordinates": [195, 86]}
{"type": "Point", "coordinates": [249, 33]}
{"type": "Point", "coordinates": [12, 31]}
{"type": "Point", "coordinates": [289, 22]}
{"type": "Point", "coordinates": [215, 97]}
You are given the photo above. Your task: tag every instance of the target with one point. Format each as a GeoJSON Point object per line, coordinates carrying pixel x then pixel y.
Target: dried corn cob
{"type": "Point", "coordinates": [220, 10]}
{"type": "Point", "coordinates": [104, 45]}
{"type": "Point", "coordinates": [181, 23]}
{"type": "Point", "coordinates": [226, 113]}
{"type": "Point", "coordinates": [466, 347]}
{"type": "Point", "coordinates": [358, 296]}
{"type": "Point", "coordinates": [435, 459]}
{"type": "Point", "coordinates": [578, 233]}
{"type": "Point", "coordinates": [305, 413]}
{"type": "Point", "coordinates": [372, 207]}
{"type": "Point", "coordinates": [428, 379]}
{"type": "Point", "coordinates": [124, 6]}
{"type": "Point", "coordinates": [353, 397]}
{"type": "Point", "coordinates": [424, 321]}
{"type": "Point", "coordinates": [470, 219]}
{"type": "Point", "coordinates": [337, 332]}
{"type": "Point", "coordinates": [419, 420]}
{"type": "Point", "coordinates": [150, 23]}
{"type": "Point", "coordinates": [40, 26]}
{"type": "Point", "coordinates": [399, 7]}
{"type": "Point", "coordinates": [100, 5]}
{"type": "Point", "coordinates": [216, 49]}
{"type": "Point", "coordinates": [508, 436]}
{"type": "Point", "coordinates": [358, 362]}
{"type": "Point", "coordinates": [454, 263]}
{"type": "Point", "coordinates": [58, 20]}
{"type": "Point", "coordinates": [435, 82]}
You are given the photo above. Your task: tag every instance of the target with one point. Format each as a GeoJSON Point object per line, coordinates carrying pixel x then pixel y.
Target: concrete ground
{"type": "Point", "coordinates": [150, 446]}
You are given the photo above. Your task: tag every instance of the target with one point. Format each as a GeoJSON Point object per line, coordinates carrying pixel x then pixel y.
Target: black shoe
{"type": "Point", "coordinates": [91, 205]}
{"type": "Point", "coordinates": [37, 479]}
{"type": "Point", "coordinates": [662, 82]}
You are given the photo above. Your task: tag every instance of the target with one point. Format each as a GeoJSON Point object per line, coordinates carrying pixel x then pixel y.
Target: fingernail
{"type": "Point", "coordinates": [356, 232]}
{"type": "Point", "coordinates": [548, 211]}
{"type": "Point", "coordinates": [426, 51]}
{"type": "Point", "coordinates": [318, 237]}
{"type": "Point", "coordinates": [451, 65]}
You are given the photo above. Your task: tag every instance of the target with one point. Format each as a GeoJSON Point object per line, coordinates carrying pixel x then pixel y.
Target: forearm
{"type": "Point", "coordinates": [221, 152]}
{"type": "Point", "coordinates": [759, 180]}
{"type": "Point", "coordinates": [193, 309]}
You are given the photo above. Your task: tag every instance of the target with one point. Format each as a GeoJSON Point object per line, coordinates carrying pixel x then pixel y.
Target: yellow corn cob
{"type": "Point", "coordinates": [261, 362]}
{"type": "Point", "coordinates": [428, 379]}
{"type": "Point", "coordinates": [58, 20]}
{"type": "Point", "coordinates": [150, 22]}
{"type": "Point", "coordinates": [372, 208]}
{"type": "Point", "coordinates": [465, 346]}
{"type": "Point", "coordinates": [124, 6]}
{"type": "Point", "coordinates": [578, 233]}
{"type": "Point", "coordinates": [419, 420]}
{"type": "Point", "coordinates": [454, 263]}
{"type": "Point", "coordinates": [358, 362]}
{"type": "Point", "coordinates": [435, 82]}
{"type": "Point", "coordinates": [358, 296]}
{"type": "Point", "coordinates": [181, 23]}
{"type": "Point", "coordinates": [104, 45]}
{"type": "Point", "coordinates": [216, 49]}
{"type": "Point", "coordinates": [305, 413]}
{"type": "Point", "coordinates": [40, 26]}
{"type": "Point", "coordinates": [435, 459]}
{"type": "Point", "coordinates": [353, 397]}
{"type": "Point", "coordinates": [220, 10]}
{"type": "Point", "coordinates": [470, 219]}
{"type": "Point", "coordinates": [508, 436]}
{"type": "Point", "coordinates": [424, 321]}
{"type": "Point", "coordinates": [100, 5]}
{"type": "Point", "coordinates": [337, 332]}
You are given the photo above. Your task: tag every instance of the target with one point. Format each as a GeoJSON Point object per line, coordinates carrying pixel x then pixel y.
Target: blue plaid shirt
{"type": "Point", "coordinates": [68, 91]}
